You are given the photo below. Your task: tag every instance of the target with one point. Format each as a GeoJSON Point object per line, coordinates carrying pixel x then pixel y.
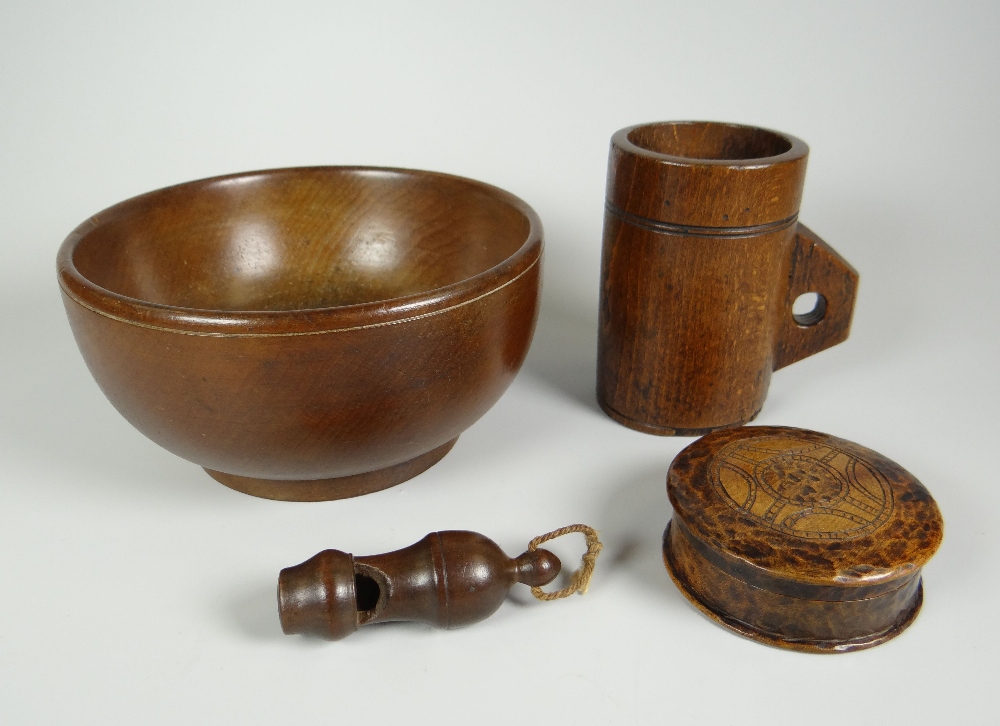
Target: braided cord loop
{"type": "Point", "coordinates": [580, 580]}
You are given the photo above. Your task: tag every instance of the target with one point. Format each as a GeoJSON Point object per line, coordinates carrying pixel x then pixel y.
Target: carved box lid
{"type": "Point", "coordinates": [801, 515]}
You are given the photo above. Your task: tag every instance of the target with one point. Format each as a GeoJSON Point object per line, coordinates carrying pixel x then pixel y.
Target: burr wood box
{"type": "Point", "coordinates": [799, 539]}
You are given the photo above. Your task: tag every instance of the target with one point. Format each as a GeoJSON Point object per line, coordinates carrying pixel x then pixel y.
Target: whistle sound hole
{"type": "Point", "coordinates": [808, 309]}
{"type": "Point", "coordinates": [366, 592]}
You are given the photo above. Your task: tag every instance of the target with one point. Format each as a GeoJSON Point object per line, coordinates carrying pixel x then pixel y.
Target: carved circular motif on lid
{"type": "Point", "coordinates": [802, 488]}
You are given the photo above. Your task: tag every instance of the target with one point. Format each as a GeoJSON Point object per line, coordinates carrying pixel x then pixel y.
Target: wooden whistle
{"type": "Point", "coordinates": [447, 579]}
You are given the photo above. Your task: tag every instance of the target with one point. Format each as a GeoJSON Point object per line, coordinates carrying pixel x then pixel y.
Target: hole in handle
{"type": "Point", "coordinates": [808, 309]}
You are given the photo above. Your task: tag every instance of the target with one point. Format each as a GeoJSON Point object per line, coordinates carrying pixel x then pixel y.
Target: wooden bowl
{"type": "Point", "coordinates": [306, 334]}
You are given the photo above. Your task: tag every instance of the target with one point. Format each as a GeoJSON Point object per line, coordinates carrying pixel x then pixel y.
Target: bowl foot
{"type": "Point", "coordinates": [322, 490]}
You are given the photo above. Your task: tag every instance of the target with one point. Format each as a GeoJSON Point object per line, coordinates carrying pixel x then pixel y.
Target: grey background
{"type": "Point", "coordinates": [136, 588]}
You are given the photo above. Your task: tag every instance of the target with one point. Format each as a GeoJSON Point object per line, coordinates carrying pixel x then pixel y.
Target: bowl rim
{"type": "Point", "coordinates": [303, 321]}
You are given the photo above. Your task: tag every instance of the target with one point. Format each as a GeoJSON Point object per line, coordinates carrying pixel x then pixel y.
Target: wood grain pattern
{"type": "Point", "coordinates": [447, 579]}
{"type": "Point", "coordinates": [703, 258]}
{"type": "Point", "coordinates": [799, 539]}
{"type": "Point", "coordinates": [334, 328]}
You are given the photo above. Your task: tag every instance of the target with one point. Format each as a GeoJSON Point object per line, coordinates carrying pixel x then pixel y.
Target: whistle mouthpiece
{"type": "Point", "coordinates": [319, 597]}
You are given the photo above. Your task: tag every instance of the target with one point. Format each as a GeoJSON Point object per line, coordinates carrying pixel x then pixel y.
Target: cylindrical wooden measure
{"type": "Point", "coordinates": [703, 258]}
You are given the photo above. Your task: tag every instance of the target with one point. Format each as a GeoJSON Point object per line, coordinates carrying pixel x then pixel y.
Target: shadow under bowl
{"type": "Point", "coordinates": [306, 334]}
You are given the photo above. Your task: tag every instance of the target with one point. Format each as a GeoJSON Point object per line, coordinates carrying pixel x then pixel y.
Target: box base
{"type": "Point", "coordinates": [807, 645]}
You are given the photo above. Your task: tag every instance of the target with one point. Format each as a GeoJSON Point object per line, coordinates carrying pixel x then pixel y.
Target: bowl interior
{"type": "Point", "coordinates": [709, 140]}
{"type": "Point", "coordinates": [300, 239]}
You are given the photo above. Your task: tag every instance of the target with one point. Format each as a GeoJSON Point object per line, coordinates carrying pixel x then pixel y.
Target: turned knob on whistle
{"type": "Point", "coordinates": [447, 579]}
